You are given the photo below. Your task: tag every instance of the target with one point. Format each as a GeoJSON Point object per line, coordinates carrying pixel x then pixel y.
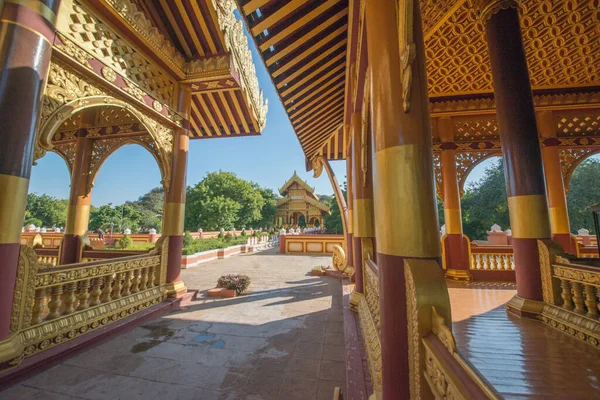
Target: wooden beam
{"type": "Point", "coordinates": [238, 108]}
{"type": "Point", "coordinates": [305, 38]}
{"type": "Point", "coordinates": [208, 114]}
{"type": "Point", "coordinates": [199, 114]}
{"type": "Point", "coordinates": [299, 23]}
{"type": "Point", "coordinates": [188, 24]}
{"type": "Point", "coordinates": [252, 5]}
{"type": "Point", "coordinates": [312, 103]}
{"type": "Point", "coordinates": [204, 27]}
{"type": "Point", "coordinates": [173, 23]}
{"type": "Point", "coordinates": [325, 77]}
{"type": "Point", "coordinates": [219, 113]}
{"type": "Point", "coordinates": [234, 123]}
{"type": "Point", "coordinates": [317, 72]}
{"type": "Point", "coordinates": [306, 66]}
{"type": "Point", "coordinates": [266, 23]}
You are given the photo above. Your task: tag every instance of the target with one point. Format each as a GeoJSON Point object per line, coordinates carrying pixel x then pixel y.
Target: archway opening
{"type": "Point", "coordinates": [583, 191]}
{"type": "Point", "coordinates": [484, 202]}
{"type": "Point", "coordinates": [302, 221]}
{"type": "Point", "coordinates": [48, 193]}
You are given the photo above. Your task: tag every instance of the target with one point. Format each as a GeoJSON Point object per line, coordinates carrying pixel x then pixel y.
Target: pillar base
{"type": "Point", "coordinates": [175, 290]}
{"type": "Point", "coordinates": [354, 300]}
{"type": "Point", "coordinates": [10, 350]}
{"type": "Point", "coordinates": [524, 308]}
{"type": "Point", "coordinates": [458, 275]}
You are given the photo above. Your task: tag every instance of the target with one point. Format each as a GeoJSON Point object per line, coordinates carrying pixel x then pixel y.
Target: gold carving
{"type": "Point", "coordinates": [208, 66]}
{"type": "Point", "coordinates": [109, 74]}
{"type": "Point", "coordinates": [487, 8]}
{"type": "Point", "coordinates": [412, 326]}
{"type": "Point", "coordinates": [136, 18]}
{"type": "Point", "coordinates": [366, 126]}
{"type": "Point", "coordinates": [340, 261]}
{"type": "Point", "coordinates": [95, 37]}
{"type": "Point", "coordinates": [552, 30]}
{"type": "Point", "coordinates": [70, 49]}
{"type": "Point", "coordinates": [157, 105]}
{"type": "Point", "coordinates": [440, 329]}
{"type": "Point", "coordinates": [370, 331]}
{"type": "Point", "coordinates": [237, 43]}
{"type": "Point", "coordinates": [408, 50]}
{"type": "Point", "coordinates": [22, 305]}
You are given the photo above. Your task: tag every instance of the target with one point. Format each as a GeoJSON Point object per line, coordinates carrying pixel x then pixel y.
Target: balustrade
{"type": "Point", "coordinates": [492, 259]}
{"type": "Point", "coordinates": [55, 304]}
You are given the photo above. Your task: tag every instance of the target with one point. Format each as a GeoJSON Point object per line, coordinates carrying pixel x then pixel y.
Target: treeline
{"type": "Point", "coordinates": [220, 200]}
{"type": "Point", "coordinates": [485, 202]}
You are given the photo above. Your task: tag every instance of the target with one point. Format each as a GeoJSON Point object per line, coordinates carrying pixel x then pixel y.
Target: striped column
{"type": "Point", "coordinates": [350, 201]}
{"type": "Point", "coordinates": [26, 35]}
{"type": "Point", "coordinates": [364, 227]}
{"type": "Point", "coordinates": [455, 244]}
{"type": "Point", "coordinates": [557, 199]}
{"type": "Point", "coordinates": [174, 210]}
{"type": "Point", "coordinates": [78, 211]}
{"type": "Point", "coordinates": [406, 223]}
{"type": "Point", "coordinates": [523, 169]}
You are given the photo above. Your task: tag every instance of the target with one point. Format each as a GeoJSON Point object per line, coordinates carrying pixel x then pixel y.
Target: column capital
{"type": "Point", "coordinates": [487, 8]}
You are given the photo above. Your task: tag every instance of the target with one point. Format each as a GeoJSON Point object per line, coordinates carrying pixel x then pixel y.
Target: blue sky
{"type": "Point", "coordinates": [269, 160]}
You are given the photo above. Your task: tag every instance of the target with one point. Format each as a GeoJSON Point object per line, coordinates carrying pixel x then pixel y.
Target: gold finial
{"type": "Point", "coordinates": [487, 8]}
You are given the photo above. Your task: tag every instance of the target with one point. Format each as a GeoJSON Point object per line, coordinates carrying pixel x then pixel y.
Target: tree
{"type": "Point", "coordinates": [333, 222]}
{"type": "Point", "coordinates": [243, 202]}
{"type": "Point", "coordinates": [584, 191]}
{"type": "Point", "coordinates": [45, 210]}
{"type": "Point", "coordinates": [269, 209]}
{"type": "Point", "coordinates": [485, 203]}
{"type": "Point", "coordinates": [103, 217]}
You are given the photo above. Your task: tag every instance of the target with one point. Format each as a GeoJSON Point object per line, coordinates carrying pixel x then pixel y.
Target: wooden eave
{"type": "Point", "coordinates": [303, 45]}
{"type": "Point", "coordinates": [226, 98]}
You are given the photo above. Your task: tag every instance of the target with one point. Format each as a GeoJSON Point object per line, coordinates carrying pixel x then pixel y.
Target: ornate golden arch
{"type": "Point", "coordinates": [68, 93]}
{"type": "Point", "coordinates": [570, 159]}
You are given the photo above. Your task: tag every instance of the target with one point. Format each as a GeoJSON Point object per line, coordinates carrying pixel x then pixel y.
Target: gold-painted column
{"type": "Point", "coordinates": [454, 243]}
{"type": "Point", "coordinates": [350, 203]}
{"type": "Point", "coordinates": [26, 35]}
{"type": "Point", "coordinates": [406, 224]}
{"type": "Point", "coordinates": [362, 190]}
{"type": "Point", "coordinates": [78, 211]}
{"type": "Point", "coordinates": [174, 209]}
{"type": "Point", "coordinates": [555, 187]}
{"type": "Point", "coordinates": [523, 168]}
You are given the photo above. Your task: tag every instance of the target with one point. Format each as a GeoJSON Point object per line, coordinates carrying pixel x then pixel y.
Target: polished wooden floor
{"type": "Point", "coordinates": [522, 359]}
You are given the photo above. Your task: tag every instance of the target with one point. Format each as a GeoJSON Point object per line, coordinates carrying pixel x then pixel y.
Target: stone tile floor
{"type": "Point", "coordinates": [283, 340]}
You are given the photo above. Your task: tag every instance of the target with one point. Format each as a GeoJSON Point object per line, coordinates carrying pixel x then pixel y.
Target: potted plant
{"type": "Point", "coordinates": [230, 286]}
{"type": "Point", "coordinates": [318, 271]}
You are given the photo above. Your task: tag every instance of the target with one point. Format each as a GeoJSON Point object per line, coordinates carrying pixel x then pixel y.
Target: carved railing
{"type": "Point", "coordinates": [47, 256]}
{"type": "Point", "coordinates": [492, 258]}
{"type": "Point", "coordinates": [54, 305]}
{"type": "Point", "coordinates": [436, 369]}
{"type": "Point", "coordinates": [571, 289]}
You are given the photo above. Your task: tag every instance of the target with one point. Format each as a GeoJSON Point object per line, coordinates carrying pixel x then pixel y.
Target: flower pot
{"type": "Point", "coordinates": [316, 272]}
{"type": "Point", "coordinates": [228, 293]}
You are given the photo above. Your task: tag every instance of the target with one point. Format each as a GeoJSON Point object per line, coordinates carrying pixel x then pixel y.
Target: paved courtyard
{"type": "Point", "coordinates": [283, 340]}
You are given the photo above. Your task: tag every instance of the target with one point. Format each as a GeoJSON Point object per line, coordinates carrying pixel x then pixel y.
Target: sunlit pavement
{"type": "Point", "coordinates": [282, 340]}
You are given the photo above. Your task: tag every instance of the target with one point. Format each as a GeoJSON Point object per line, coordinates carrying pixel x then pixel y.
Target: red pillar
{"type": "Point", "coordinates": [26, 39]}
{"type": "Point", "coordinates": [174, 213]}
{"type": "Point", "coordinates": [523, 167]}
{"type": "Point", "coordinates": [406, 224]}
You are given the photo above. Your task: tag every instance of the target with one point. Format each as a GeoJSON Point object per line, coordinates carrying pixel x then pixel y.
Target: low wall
{"type": "Point", "coordinates": [254, 244]}
{"type": "Point", "coordinates": [309, 244]}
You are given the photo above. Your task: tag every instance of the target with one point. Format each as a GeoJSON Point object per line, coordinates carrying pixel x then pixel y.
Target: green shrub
{"type": "Point", "coordinates": [201, 245]}
{"type": "Point", "coordinates": [243, 232]}
{"type": "Point", "coordinates": [228, 236]}
{"type": "Point", "coordinates": [220, 235]}
{"type": "Point", "coordinates": [125, 242]}
{"type": "Point", "coordinates": [271, 232]}
{"type": "Point", "coordinates": [256, 234]}
{"type": "Point", "coordinates": [187, 239]}
{"type": "Point", "coordinates": [239, 283]}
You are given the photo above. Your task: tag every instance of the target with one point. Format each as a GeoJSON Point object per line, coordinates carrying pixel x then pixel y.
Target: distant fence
{"type": "Point", "coordinates": [309, 244]}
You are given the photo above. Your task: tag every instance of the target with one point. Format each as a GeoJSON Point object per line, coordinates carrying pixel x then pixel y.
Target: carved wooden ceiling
{"type": "Point", "coordinates": [303, 45]}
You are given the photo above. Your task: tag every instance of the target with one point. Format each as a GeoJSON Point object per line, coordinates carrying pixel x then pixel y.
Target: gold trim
{"type": "Point", "coordinates": [363, 218]}
{"type": "Point", "coordinates": [176, 289]}
{"type": "Point", "coordinates": [525, 306]}
{"type": "Point", "coordinates": [13, 201]}
{"type": "Point", "coordinates": [559, 220]}
{"type": "Point", "coordinates": [487, 8]}
{"type": "Point", "coordinates": [350, 227]}
{"type": "Point", "coordinates": [458, 274]}
{"type": "Point", "coordinates": [173, 219]}
{"type": "Point", "coordinates": [78, 217]}
{"type": "Point", "coordinates": [405, 223]}
{"type": "Point", "coordinates": [529, 217]}
{"type": "Point", "coordinates": [453, 221]}
{"type": "Point", "coordinates": [27, 28]}
{"type": "Point", "coordinates": [38, 7]}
